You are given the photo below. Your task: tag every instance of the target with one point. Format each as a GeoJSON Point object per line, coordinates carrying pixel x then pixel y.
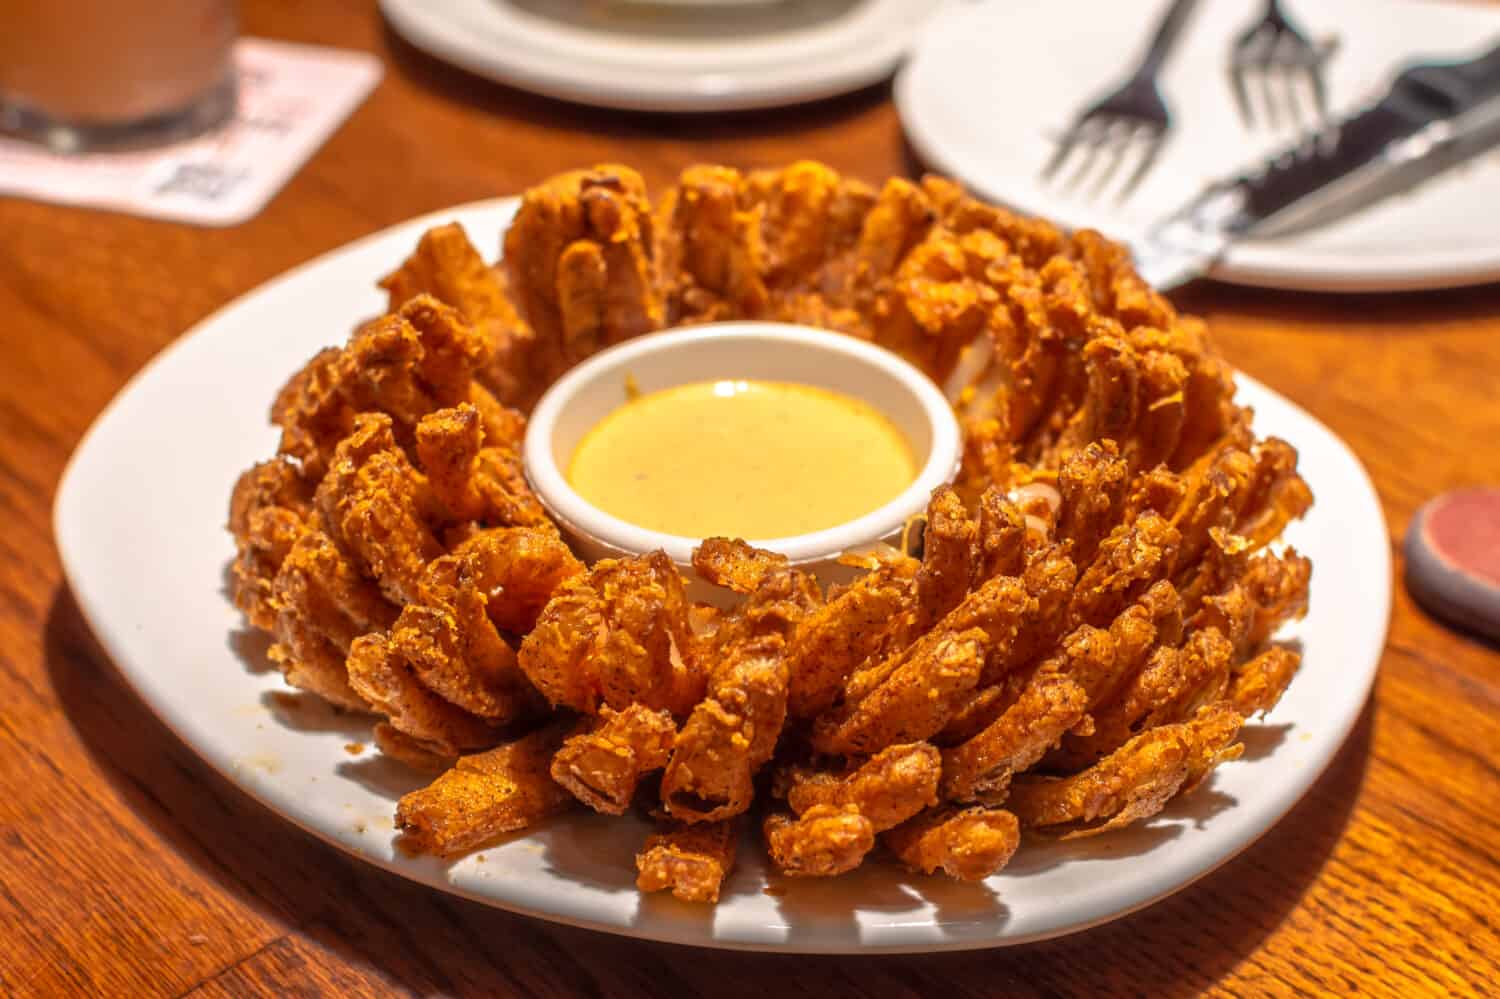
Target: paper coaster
{"type": "Point", "coordinates": [291, 99]}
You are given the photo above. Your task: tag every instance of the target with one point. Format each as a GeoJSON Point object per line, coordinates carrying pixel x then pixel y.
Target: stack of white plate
{"type": "Point", "coordinates": [669, 55]}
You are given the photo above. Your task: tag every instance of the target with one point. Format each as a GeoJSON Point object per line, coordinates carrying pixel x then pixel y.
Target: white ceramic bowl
{"type": "Point", "coordinates": [751, 350]}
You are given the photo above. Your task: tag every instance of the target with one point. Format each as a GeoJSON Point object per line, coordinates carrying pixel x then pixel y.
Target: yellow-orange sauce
{"type": "Point", "coordinates": [747, 459]}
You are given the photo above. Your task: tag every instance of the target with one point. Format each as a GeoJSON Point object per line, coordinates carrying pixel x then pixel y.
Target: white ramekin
{"type": "Point", "coordinates": [749, 350]}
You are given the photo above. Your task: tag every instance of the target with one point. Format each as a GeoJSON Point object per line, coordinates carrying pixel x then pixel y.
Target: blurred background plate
{"type": "Point", "coordinates": [990, 86]}
{"type": "Point", "coordinates": [668, 57]}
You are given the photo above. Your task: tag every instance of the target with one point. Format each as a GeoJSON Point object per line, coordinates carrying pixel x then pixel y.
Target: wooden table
{"type": "Point", "coordinates": [128, 869]}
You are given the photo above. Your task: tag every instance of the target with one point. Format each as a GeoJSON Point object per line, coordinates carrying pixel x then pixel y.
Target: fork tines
{"type": "Point", "coordinates": [1131, 119]}
{"type": "Point", "coordinates": [1277, 63]}
{"type": "Point", "coordinates": [1107, 142]}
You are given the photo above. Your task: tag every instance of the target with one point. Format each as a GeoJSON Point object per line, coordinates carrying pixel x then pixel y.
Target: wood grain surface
{"type": "Point", "coordinates": [128, 869]}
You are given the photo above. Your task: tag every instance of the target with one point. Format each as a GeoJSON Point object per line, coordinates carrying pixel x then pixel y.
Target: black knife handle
{"type": "Point", "coordinates": [1448, 89]}
{"type": "Point", "coordinates": [1308, 166]}
{"type": "Point", "coordinates": [1419, 96]}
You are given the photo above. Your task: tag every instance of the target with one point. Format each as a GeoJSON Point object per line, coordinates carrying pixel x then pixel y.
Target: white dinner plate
{"type": "Point", "coordinates": [668, 58]}
{"type": "Point", "coordinates": [990, 86]}
{"type": "Point", "coordinates": [140, 521]}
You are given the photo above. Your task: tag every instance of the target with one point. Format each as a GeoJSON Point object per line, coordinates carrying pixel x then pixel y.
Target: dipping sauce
{"type": "Point", "coordinates": [746, 459]}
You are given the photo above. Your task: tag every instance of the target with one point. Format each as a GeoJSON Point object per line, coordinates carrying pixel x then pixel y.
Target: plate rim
{"type": "Point", "coordinates": [137, 677]}
{"type": "Point", "coordinates": [420, 27]}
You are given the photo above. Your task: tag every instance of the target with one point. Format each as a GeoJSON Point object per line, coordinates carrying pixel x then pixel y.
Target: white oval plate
{"type": "Point", "coordinates": [140, 523]}
{"type": "Point", "coordinates": [661, 59]}
{"type": "Point", "coordinates": [989, 87]}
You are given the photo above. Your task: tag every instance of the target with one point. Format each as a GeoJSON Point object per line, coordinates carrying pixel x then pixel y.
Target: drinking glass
{"type": "Point", "coordinates": [85, 75]}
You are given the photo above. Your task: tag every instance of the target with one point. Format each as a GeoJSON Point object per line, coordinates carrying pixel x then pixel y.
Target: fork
{"type": "Point", "coordinates": [1133, 115]}
{"type": "Point", "coordinates": [1279, 54]}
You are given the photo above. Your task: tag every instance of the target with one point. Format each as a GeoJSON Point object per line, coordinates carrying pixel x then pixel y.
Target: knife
{"type": "Point", "coordinates": [1434, 116]}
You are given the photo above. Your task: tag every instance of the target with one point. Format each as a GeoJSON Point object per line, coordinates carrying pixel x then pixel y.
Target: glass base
{"type": "Point", "coordinates": [209, 111]}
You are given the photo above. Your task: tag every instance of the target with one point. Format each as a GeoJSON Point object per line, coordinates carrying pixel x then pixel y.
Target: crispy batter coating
{"type": "Point", "coordinates": [986, 704]}
{"type": "Point", "coordinates": [997, 608]}
{"type": "Point", "coordinates": [771, 244]}
{"type": "Point", "coordinates": [485, 796]}
{"type": "Point", "coordinates": [310, 662]}
{"type": "Point", "coordinates": [1092, 483]}
{"type": "Point", "coordinates": [1169, 688]}
{"type": "Point", "coordinates": [1278, 587]}
{"type": "Point", "coordinates": [1164, 411]}
{"type": "Point", "coordinates": [580, 262]}
{"type": "Point", "coordinates": [833, 640]}
{"type": "Point", "coordinates": [1074, 347]}
{"type": "Point", "coordinates": [314, 411]}
{"type": "Point", "coordinates": [602, 764]}
{"type": "Point", "coordinates": [1053, 701]}
{"type": "Point", "coordinates": [380, 674]}
{"type": "Point", "coordinates": [1159, 491]}
{"type": "Point", "coordinates": [348, 423]}
{"type": "Point", "coordinates": [372, 501]}
{"type": "Point", "coordinates": [823, 841]}
{"type": "Point", "coordinates": [446, 642]}
{"type": "Point", "coordinates": [1134, 782]}
{"type": "Point", "coordinates": [271, 508]}
{"type": "Point", "coordinates": [1002, 536]}
{"type": "Point", "coordinates": [323, 605]}
{"type": "Point", "coordinates": [1133, 557]}
{"type": "Point", "coordinates": [778, 598]}
{"type": "Point", "coordinates": [888, 788]}
{"type": "Point", "coordinates": [404, 365]}
{"type": "Point", "coordinates": [692, 860]}
{"type": "Point", "coordinates": [712, 244]}
{"type": "Point", "coordinates": [1214, 492]}
{"type": "Point", "coordinates": [453, 650]}
{"type": "Point", "coordinates": [618, 635]}
{"type": "Point", "coordinates": [933, 307]}
{"type": "Point", "coordinates": [320, 586]}
{"type": "Point", "coordinates": [948, 558]}
{"type": "Point", "coordinates": [416, 754]}
{"type": "Point", "coordinates": [730, 735]}
{"type": "Point", "coordinates": [645, 654]}
{"type": "Point", "coordinates": [1259, 683]}
{"type": "Point", "coordinates": [469, 481]}
{"type": "Point", "coordinates": [557, 655]}
{"type": "Point", "coordinates": [446, 266]}
{"type": "Point", "coordinates": [814, 216]}
{"type": "Point", "coordinates": [1277, 495]}
{"type": "Point", "coordinates": [1246, 597]}
{"type": "Point", "coordinates": [913, 703]}
{"type": "Point", "coordinates": [900, 218]}
{"type": "Point", "coordinates": [1223, 563]}
{"type": "Point", "coordinates": [736, 565]}
{"type": "Point", "coordinates": [965, 843]}
{"type": "Point", "coordinates": [1155, 619]}
{"type": "Point", "coordinates": [1111, 398]}
{"type": "Point", "coordinates": [267, 485]}
{"type": "Point", "coordinates": [1050, 582]}
{"type": "Point", "coordinates": [517, 569]}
